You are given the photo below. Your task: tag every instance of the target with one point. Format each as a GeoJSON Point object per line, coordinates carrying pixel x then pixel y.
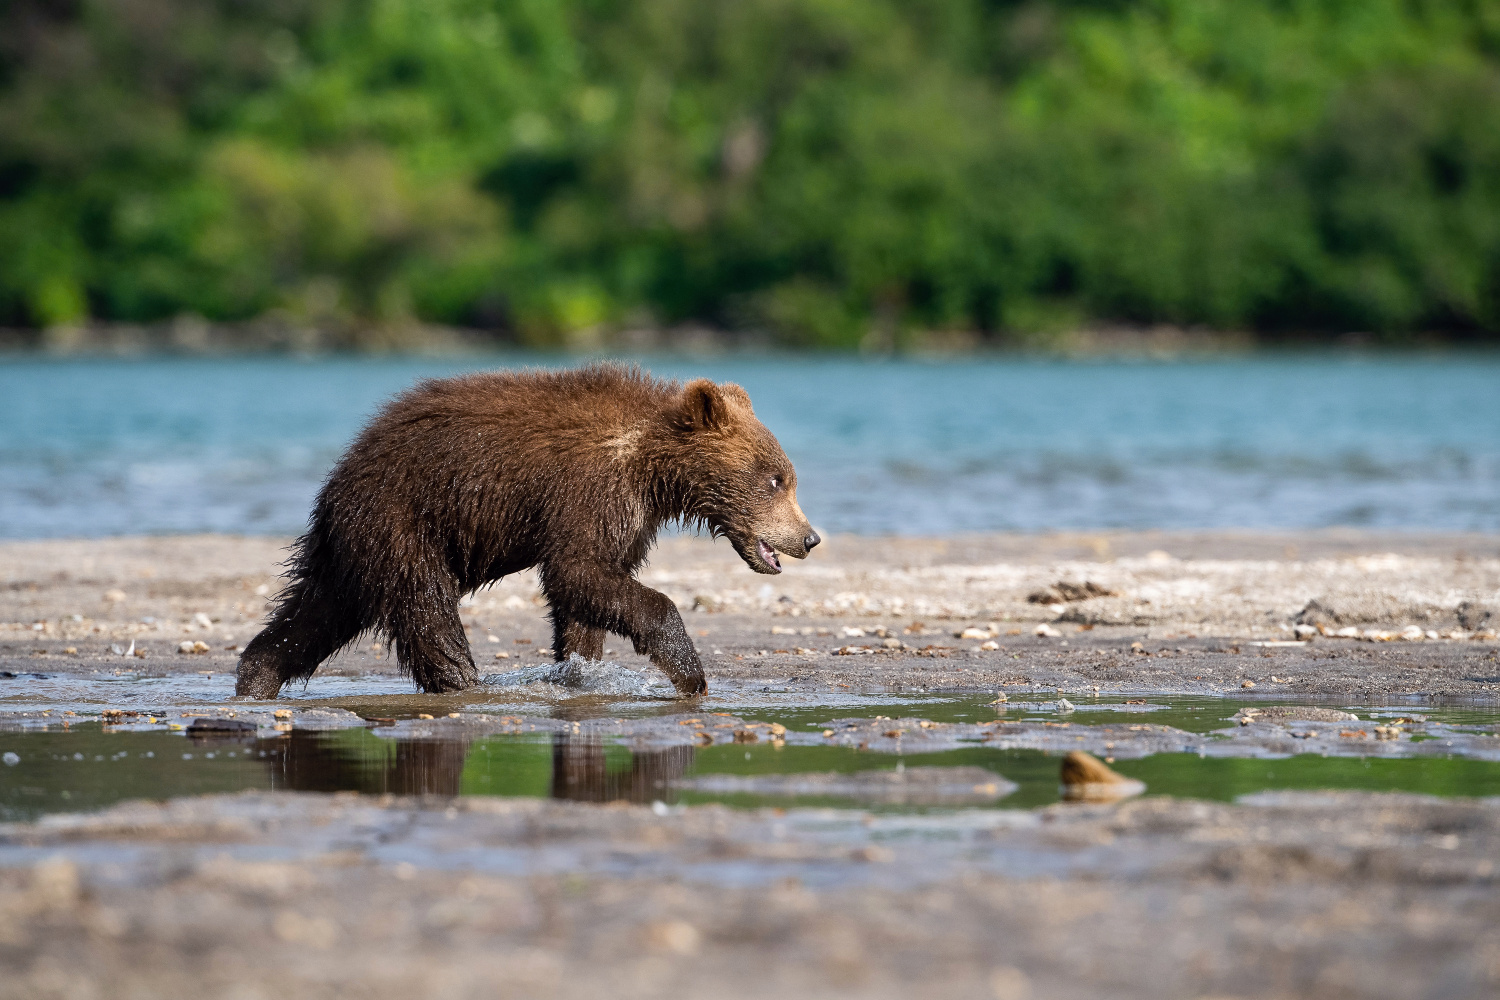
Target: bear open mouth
{"type": "Point", "coordinates": [767, 555]}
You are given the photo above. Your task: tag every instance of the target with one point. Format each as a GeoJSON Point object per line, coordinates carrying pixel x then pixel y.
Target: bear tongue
{"type": "Point", "coordinates": [768, 554]}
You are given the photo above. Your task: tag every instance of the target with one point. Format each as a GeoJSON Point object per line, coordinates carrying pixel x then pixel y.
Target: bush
{"type": "Point", "coordinates": [834, 171]}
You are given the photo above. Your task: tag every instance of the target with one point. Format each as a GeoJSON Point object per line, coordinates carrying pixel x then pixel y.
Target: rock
{"type": "Point", "coordinates": [202, 620]}
{"type": "Point", "coordinates": [1247, 684]}
{"type": "Point", "coordinates": [1064, 706]}
{"type": "Point", "coordinates": [11, 758]}
{"type": "Point", "coordinates": [989, 646]}
{"type": "Point", "coordinates": [1305, 631]}
{"type": "Point", "coordinates": [1046, 631]}
{"type": "Point", "coordinates": [220, 726]}
{"type": "Point", "coordinates": [1472, 617]}
{"type": "Point", "coordinates": [972, 633]}
{"type": "Point", "coordinates": [1086, 778]}
{"type": "Point", "coordinates": [1063, 592]}
{"type": "Point", "coordinates": [893, 644]}
{"type": "Point", "coordinates": [114, 596]}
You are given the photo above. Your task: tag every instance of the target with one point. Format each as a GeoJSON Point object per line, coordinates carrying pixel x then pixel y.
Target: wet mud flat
{"type": "Point", "coordinates": [865, 804]}
{"type": "Point", "coordinates": [260, 895]}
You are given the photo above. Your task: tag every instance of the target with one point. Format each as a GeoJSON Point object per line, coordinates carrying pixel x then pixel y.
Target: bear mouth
{"type": "Point", "coordinates": [767, 555]}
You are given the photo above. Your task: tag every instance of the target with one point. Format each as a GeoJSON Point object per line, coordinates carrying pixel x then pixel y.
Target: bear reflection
{"type": "Point", "coordinates": [579, 772]}
{"type": "Point", "coordinates": [311, 762]}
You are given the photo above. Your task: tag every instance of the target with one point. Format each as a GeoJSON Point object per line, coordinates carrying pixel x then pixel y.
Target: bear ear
{"type": "Point", "coordinates": [737, 396]}
{"type": "Point", "coordinates": [703, 406]}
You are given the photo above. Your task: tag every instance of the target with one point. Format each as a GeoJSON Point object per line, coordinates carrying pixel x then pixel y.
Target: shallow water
{"type": "Point", "coordinates": [898, 446]}
{"type": "Point", "coordinates": [47, 768]}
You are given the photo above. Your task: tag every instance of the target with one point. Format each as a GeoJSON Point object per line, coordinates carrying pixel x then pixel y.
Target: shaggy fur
{"type": "Point", "coordinates": [462, 481]}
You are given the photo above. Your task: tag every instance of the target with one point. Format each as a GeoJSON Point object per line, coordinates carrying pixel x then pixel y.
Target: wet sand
{"type": "Point", "coordinates": [1200, 607]}
{"type": "Point", "coordinates": [307, 894]}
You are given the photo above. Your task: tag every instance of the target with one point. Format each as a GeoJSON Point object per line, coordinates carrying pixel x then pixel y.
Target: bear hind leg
{"type": "Point", "coordinates": [303, 632]}
{"type": "Point", "coordinates": [431, 645]}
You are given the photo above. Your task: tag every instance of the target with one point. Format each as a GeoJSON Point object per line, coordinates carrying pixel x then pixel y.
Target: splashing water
{"type": "Point", "coordinates": [577, 675]}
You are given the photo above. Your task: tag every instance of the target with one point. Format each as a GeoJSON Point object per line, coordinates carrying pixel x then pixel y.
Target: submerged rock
{"type": "Point", "coordinates": [913, 786]}
{"type": "Point", "coordinates": [1294, 713]}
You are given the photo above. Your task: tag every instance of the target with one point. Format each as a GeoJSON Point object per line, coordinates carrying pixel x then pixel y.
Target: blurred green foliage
{"type": "Point", "coordinates": [829, 169]}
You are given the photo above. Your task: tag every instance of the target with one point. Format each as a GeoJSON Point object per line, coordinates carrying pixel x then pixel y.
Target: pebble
{"type": "Point", "coordinates": [1064, 706]}
{"type": "Point", "coordinates": [989, 646]}
{"type": "Point", "coordinates": [1247, 684]}
{"type": "Point", "coordinates": [282, 713]}
{"type": "Point", "coordinates": [423, 715]}
{"type": "Point", "coordinates": [1086, 778]}
{"type": "Point", "coordinates": [203, 621]}
{"type": "Point", "coordinates": [1046, 631]}
{"type": "Point", "coordinates": [11, 759]}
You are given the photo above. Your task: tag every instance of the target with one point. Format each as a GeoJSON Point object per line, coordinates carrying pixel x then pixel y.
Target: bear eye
{"type": "Point", "coordinates": [775, 482]}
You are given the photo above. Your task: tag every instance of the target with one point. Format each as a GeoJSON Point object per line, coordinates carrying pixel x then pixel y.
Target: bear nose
{"type": "Point", "coordinates": [811, 540]}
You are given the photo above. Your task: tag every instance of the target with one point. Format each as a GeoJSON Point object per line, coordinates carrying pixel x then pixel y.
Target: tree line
{"type": "Point", "coordinates": [828, 170]}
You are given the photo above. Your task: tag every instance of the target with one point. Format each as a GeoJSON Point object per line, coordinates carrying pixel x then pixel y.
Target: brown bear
{"type": "Point", "coordinates": [459, 482]}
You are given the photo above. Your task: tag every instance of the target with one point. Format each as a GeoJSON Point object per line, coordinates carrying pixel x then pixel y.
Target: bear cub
{"type": "Point", "coordinates": [459, 482]}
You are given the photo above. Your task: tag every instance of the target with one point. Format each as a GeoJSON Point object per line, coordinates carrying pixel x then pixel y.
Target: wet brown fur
{"type": "Point", "coordinates": [462, 481]}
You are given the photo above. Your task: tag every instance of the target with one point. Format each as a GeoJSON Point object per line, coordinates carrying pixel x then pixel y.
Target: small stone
{"type": "Point", "coordinates": [423, 715]}
{"type": "Point", "coordinates": [502, 655]}
{"type": "Point", "coordinates": [452, 715]}
{"type": "Point", "coordinates": [1064, 706]}
{"type": "Point", "coordinates": [1046, 631]}
{"type": "Point", "coordinates": [972, 633]}
{"type": "Point", "coordinates": [827, 733]}
{"type": "Point", "coordinates": [282, 713]}
{"type": "Point", "coordinates": [114, 596]}
{"type": "Point", "coordinates": [989, 646]}
{"type": "Point", "coordinates": [203, 621]}
{"type": "Point", "coordinates": [1087, 778]}
{"type": "Point", "coordinates": [11, 759]}
{"type": "Point", "coordinates": [1247, 684]}
{"type": "Point", "coordinates": [185, 646]}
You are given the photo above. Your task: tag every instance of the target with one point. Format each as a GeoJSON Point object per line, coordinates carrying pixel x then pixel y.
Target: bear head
{"type": "Point", "coordinates": [738, 481]}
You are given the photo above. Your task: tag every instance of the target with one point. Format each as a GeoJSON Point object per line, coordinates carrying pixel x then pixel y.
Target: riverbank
{"type": "Point", "coordinates": [431, 884]}
{"type": "Point", "coordinates": [1308, 613]}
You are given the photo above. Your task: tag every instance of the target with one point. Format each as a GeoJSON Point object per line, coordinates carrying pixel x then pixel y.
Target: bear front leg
{"type": "Point", "coordinates": [569, 637]}
{"type": "Point", "coordinates": [623, 605]}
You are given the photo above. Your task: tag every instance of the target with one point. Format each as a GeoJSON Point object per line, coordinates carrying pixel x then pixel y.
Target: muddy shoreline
{"type": "Point", "coordinates": [1283, 894]}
